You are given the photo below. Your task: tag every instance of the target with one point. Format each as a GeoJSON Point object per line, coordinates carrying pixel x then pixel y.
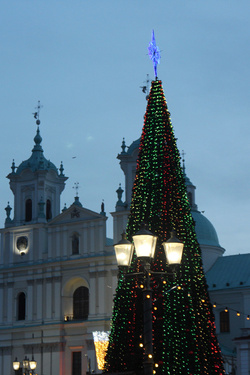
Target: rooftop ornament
{"type": "Point", "coordinates": [154, 53]}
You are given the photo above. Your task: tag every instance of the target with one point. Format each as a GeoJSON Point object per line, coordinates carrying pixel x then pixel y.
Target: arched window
{"type": "Point", "coordinates": [81, 303]}
{"type": "Point", "coordinates": [48, 210]}
{"type": "Point", "coordinates": [21, 306]}
{"type": "Point", "coordinates": [75, 244]}
{"type": "Point", "coordinates": [28, 210]}
{"type": "Point", "coordinates": [224, 321]}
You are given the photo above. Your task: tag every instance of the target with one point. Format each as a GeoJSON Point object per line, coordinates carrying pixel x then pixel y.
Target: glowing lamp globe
{"type": "Point", "coordinates": [16, 365]}
{"type": "Point", "coordinates": [124, 251]}
{"type": "Point", "coordinates": [25, 363]}
{"type": "Point", "coordinates": [145, 243]}
{"type": "Point", "coordinates": [32, 364]}
{"type": "Point", "coordinates": [173, 249]}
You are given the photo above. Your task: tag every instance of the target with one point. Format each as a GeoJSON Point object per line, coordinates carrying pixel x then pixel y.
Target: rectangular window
{"type": "Point", "coordinates": [76, 363]}
{"type": "Point", "coordinates": [224, 322]}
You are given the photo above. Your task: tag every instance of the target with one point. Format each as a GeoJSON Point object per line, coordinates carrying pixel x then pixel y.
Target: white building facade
{"type": "Point", "coordinates": [57, 274]}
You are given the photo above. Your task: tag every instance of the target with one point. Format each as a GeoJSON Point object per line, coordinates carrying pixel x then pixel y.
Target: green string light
{"type": "Point", "coordinates": [183, 323]}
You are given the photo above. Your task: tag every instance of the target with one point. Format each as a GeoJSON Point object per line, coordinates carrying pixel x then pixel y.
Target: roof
{"type": "Point", "coordinates": [134, 146]}
{"type": "Point", "coordinates": [37, 160]}
{"type": "Point", "coordinates": [229, 272]}
{"type": "Point", "coordinates": [206, 234]}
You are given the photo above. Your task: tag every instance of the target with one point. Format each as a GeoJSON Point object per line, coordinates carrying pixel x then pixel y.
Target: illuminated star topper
{"type": "Point", "coordinates": [154, 53]}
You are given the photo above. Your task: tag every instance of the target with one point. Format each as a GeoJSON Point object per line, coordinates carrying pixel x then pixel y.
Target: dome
{"type": "Point", "coordinates": [134, 146]}
{"type": "Point", "coordinates": [206, 234]}
{"type": "Point", "coordinates": [37, 160]}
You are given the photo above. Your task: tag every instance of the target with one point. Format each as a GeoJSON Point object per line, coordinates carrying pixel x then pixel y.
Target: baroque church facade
{"type": "Point", "coordinates": [58, 273]}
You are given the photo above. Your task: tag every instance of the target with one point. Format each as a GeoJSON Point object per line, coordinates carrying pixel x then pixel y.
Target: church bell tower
{"type": "Point", "coordinates": [37, 185]}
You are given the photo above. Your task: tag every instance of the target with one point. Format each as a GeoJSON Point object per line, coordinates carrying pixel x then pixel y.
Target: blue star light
{"type": "Point", "coordinates": [154, 53]}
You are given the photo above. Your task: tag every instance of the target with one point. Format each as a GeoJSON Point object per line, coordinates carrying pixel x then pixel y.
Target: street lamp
{"type": "Point", "coordinates": [145, 243]}
{"type": "Point", "coordinates": [124, 252]}
{"type": "Point", "coordinates": [26, 365]}
{"type": "Point", "coordinates": [173, 249]}
{"type": "Point", "coordinates": [16, 364]}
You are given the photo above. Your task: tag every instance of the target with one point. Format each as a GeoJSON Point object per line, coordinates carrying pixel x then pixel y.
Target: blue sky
{"type": "Point", "coordinates": [86, 60]}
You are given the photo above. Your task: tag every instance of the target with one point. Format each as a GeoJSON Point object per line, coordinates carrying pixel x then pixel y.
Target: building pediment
{"type": "Point", "coordinates": [76, 213]}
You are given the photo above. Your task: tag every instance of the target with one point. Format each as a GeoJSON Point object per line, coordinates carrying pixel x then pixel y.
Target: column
{"type": "Point", "coordinates": [48, 298]}
{"type": "Point", "coordinates": [92, 238]}
{"type": "Point", "coordinates": [29, 310]}
{"type": "Point", "coordinates": [57, 297]}
{"type": "Point", "coordinates": [65, 242]}
{"type": "Point", "coordinates": [85, 239]}
{"type": "Point", "coordinates": [102, 285]}
{"type": "Point", "coordinates": [92, 294]}
{"type": "Point", "coordinates": [1, 303]}
{"type": "Point", "coordinates": [39, 299]}
{"type": "Point", "coordinates": [10, 301]}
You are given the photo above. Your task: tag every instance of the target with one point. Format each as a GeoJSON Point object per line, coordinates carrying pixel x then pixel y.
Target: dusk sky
{"type": "Point", "coordinates": [85, 60]}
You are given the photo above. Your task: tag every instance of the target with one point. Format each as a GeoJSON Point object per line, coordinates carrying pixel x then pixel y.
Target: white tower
{"type": "Point", "coordinates": [37, 186]}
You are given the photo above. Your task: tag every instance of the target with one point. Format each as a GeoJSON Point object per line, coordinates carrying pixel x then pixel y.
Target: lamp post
{"type": "Point", "coordinates": [145, 243]}
{"type": "Point", "coordinates": [27, 365]}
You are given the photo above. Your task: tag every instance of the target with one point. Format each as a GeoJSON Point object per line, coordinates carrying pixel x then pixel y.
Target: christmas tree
{"type": "Point", "coordinates": [184, 339]}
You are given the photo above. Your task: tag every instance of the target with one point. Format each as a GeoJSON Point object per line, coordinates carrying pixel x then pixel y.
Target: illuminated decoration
{"type": "Point", "coordinates": [226, 309]}
{"type": "Point", "coordinates": [184, 335]}
{"type": "Point", "coordinates": [101, 343]}
{"type": "Point", "coordinates": [154, 53]}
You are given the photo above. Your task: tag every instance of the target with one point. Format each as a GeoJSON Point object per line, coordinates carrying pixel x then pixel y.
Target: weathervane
{"type": "Point", "coordinates": [154, 53]}
{"type": "Point", "coordinates": [37, 113]}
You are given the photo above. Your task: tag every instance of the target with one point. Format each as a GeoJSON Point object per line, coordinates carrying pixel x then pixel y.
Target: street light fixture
{"type": "Point", "coordinates": [16, 364]}
{"type": "Point", "coordinates": [173, 249]}
{"type": "Point", "coordinates": [145, 243]}
{"type": "Point", "coordinates": [124, 251]}
{"type": "Point", "coordinates": [26, 365]}
{"type": "Point", "coordinates": [32, 364]}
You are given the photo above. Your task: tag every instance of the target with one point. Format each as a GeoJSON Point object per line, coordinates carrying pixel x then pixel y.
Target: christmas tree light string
{"type": "Point", "coordinates": [184, 337]}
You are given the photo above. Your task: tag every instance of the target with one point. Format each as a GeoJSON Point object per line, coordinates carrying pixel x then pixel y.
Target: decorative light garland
{"type": "Point", "coordinates": [101, 341]}
{"type": "Point", "coordinates": [226, 309]}
{"type": "Point", "coordinates": [184, 337]}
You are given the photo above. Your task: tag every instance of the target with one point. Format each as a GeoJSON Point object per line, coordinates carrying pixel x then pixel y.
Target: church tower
{"type": "Point", "coordinates": [57, 272]}
{"type": "Point", "coordinates": [37, 186]}
{"type": "Point", "coordinates": [205, 231]}
{"type": "Point", "coordinates": [128, 162]}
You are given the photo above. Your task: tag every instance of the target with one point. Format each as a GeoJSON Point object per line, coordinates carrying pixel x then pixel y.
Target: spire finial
{"type": "Point", "coordinates": [119, 192]}
{"type": "Point", "coordinates": [123, 146]}
{"type": "Point", "coordinates": [154, 53]}
{"type": "Point", "coordinates": [8, 211]}
{"type": "Point", "coordinates": [76, 187]}
{"type": "Point", "coordinates": [61, 169]}
{"type": "Point", "coordinates": [13, 167]}
{"type": "Point", "coordinates": [37, 113]}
